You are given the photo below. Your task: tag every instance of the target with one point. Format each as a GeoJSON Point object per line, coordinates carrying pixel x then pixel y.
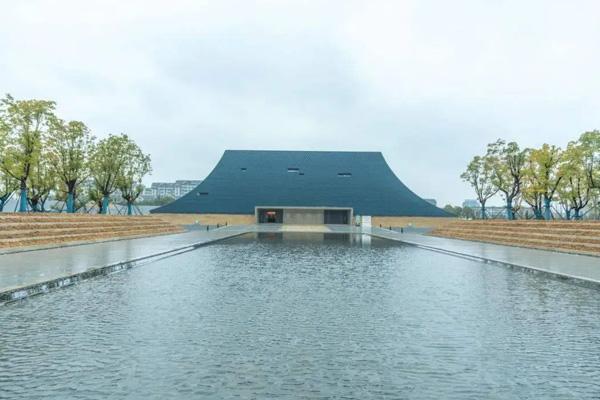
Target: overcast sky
{"type": "Point", "coordinates": [428, 83]}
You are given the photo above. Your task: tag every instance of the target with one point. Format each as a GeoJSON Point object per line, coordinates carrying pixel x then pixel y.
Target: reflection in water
{"type": "Point", "coordinates": [305, 316]}
{"type": "Point", "coordinates": [346, 238]}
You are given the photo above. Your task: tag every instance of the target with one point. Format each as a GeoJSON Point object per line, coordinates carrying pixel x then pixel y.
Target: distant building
{"type": "Point", "coordinates": [431, 201]}
{"type": "Point", "coordinates": [175, 189]}
{"type": "Point", "coordinates": [470, 203]}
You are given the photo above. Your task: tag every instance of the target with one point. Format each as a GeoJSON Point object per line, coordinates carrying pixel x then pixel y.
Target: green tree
{"type": "Point", "coordinates": [589, 142]}
{"type": "Point", "coordinates": [129, 182]}
{"type": "Point", "coordinates": [479, 175]}
{"type": "Point", "coordinates": [25, 124]}
{"type": "Point", "coordinates": [461, 212]}
{"type": "Point", "coordinates": [507, 161]}
{"type": "Point", "coordinates": [107, 160]}
{"type": "Point", "coordinates": [42, 181]}
{"type": "Point", "coordinates": [468, 212]}
{"type": "Point", "coordinates": [531, 190]}
{"type": "Point", "coordinates": [94, 196]}
{"type": "Point", "coordinates": [456, 211]}
{"type": "Point", "coordinates": [69, 144]}
{"type": "Point", "coordinates": [565, 202]}
{"type": "Point", "coordinates": [8, 185]}
{"type": "Point", "coordinates": [574, 190]}
{"type": "Point", "coordinates": [542, 177]}
{"type": "Point", "coordinates": [3, 137]}
{"type": "Point", "coordinates": [159, 201]}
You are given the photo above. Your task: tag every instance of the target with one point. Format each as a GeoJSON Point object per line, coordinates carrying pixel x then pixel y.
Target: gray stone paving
{"type": "Point", "coordinates": [26, 269]}
{"type": "Point", "coordinates": [575, 266]}
{"type": "Point", "coordinates": [32, 267]}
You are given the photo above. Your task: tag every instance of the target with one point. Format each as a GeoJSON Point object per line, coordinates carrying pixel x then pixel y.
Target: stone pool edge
{"type": "Point", "coordinates": [20, 293]}
{"type": "Point", "coordinates": [563, 277]}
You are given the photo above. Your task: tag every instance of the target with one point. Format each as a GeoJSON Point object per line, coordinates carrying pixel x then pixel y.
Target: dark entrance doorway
{"type": "Point", "coordinates": [336, 217]}
{"type": "Point", "coordinates": [270, 216]}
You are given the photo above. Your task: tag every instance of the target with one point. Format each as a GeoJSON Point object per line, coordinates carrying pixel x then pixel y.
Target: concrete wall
{"type": "Point", "coordinates": [208, 219]}
{"type": "Point", "coordinates": [302, 217]}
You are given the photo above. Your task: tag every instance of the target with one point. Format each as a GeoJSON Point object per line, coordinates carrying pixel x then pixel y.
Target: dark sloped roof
{"type": "Point", "coordinates": [244, 179]}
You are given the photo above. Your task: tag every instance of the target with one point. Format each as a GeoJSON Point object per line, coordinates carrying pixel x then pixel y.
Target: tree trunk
{"type": "Point", "coordinates": [509, 210]}
{"type": "Point", "coordinates": [547, 209]}
{"type": "Point", "coordinates": [23, 199]}
{"type": "Point", "coordinates": [577, 217]}
{"type": "Point", "coordinates": [568, 215]}
{"type": "Point", "coordinates": [129, 208]}
{"type": "Point", "coordinates": [70, 202]}
{"type": "Point", "coordinates": [483, 216]}
{"type": "Point", "coordinates": [34, 205]}
{"type": "Point", "coordinates": [105, 203]}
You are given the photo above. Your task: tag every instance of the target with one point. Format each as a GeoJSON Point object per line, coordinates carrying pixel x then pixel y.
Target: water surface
{"type": "Point", "coordinates": [305, 316]}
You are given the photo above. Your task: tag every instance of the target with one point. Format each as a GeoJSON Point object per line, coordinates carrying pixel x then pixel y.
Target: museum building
{"type": "Point", "coordinates": [303, 187]}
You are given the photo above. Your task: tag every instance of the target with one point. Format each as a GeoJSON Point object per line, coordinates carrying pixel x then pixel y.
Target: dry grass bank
{"type": "Point", "coordinates": [207, 219]}
{"type": "Point", "coordinates": [41, 229]}
{"type": "Point", "coordinates": [419, 222]}
{"type": "Point", "coordinates": [581, 237]}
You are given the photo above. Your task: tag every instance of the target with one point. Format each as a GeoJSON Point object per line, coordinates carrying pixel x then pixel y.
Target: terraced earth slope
{"type": "Point", "coordinates": [37, 229]}
{"type": "Point", "coordinates": [581, 237]}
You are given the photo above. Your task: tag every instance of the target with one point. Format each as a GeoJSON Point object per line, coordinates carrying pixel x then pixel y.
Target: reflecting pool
{"type": "Point", "coordinates": [305, 316]}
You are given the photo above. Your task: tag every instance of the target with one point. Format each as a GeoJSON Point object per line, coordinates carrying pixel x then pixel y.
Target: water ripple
{"type": "Point", "coordinates": [307, 317]}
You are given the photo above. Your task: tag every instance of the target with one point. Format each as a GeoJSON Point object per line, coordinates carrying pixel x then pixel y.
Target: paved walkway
{"type": "Point", "coordinates": [32, 272]}
{"type": "Point", "coordinates": [568, 266]}
{"type": "Point", "coordinates": [33, 267]}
